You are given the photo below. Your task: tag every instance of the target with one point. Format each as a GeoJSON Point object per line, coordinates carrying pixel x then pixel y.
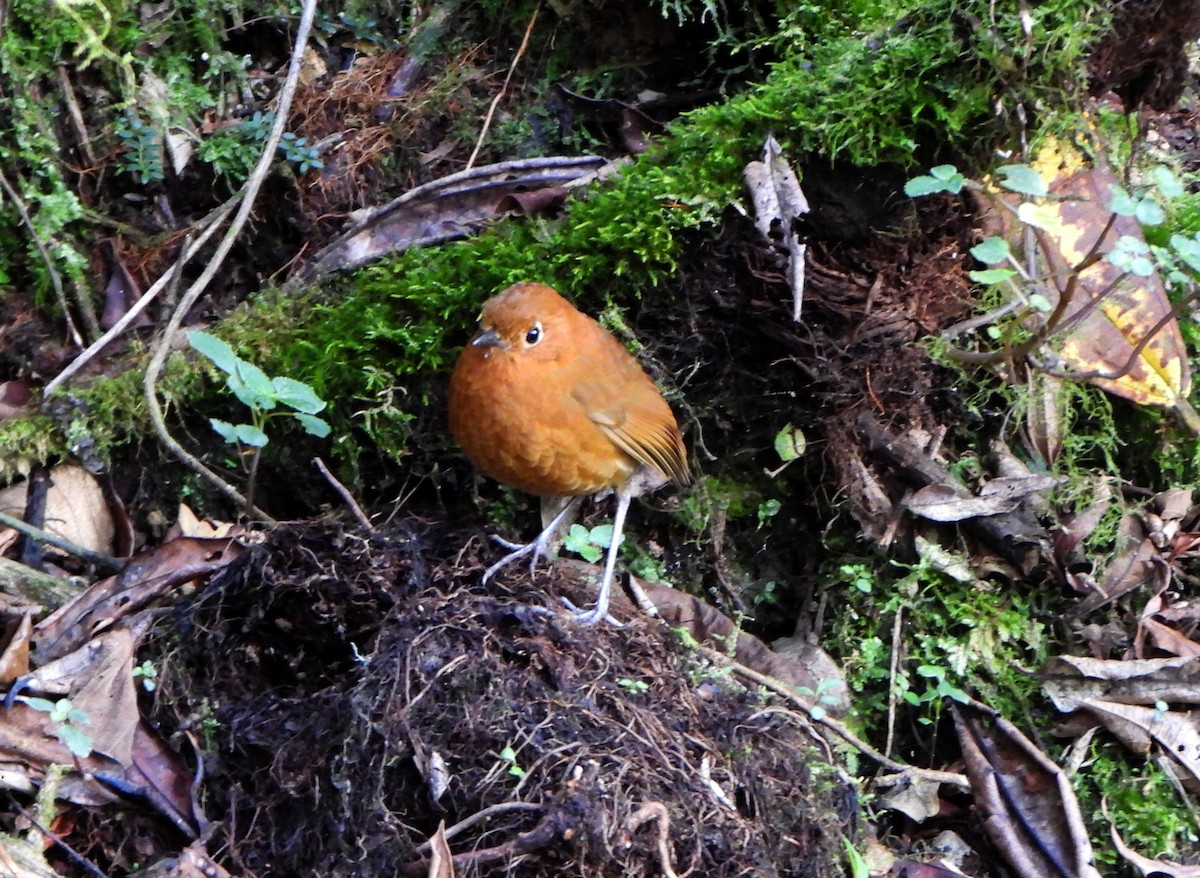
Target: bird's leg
{"type": "Point", "coordinates": [540, 547]}
{"type": "Point", "coordinates": [600, 612]}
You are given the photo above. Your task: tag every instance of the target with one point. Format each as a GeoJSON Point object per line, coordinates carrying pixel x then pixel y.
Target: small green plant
{"type": "Point", "coordinates": [633, 687]}
{"type": "Point", "coordinates": [859, 576]}
{"type": "Point", "coordinates": [823, 697]}
{"type": "Point", "coordinates": [263, 396]}
{"type": "Point", "coordinates": [936, 691]}
{"type": "Point", "coordinates": [588, 543]}
{"type": "Point", "coordinates": [1037, 312]}
{"type": "Point", "coordinates": [768, 594]}
{"type": "Point", "coordinates": [68, 719]}
{"type": "Point", "coordinates": [790, 444]}
{"type": "Point", "coordinates": [142, 156]}
{"type": "Point", "coordinates": [767, 510]}
{"type": "Point", "coordinates": [859, 868]}
{"type": "Point", "coordinates": [148, 674]}
{"type": "Point", "coordinates": [509, 755]}
{"type": "Point", "coordinates": [297, 151]}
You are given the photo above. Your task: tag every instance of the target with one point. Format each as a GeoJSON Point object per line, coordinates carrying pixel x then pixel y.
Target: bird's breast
{"type": "Point", "coordinates": [520, 423]}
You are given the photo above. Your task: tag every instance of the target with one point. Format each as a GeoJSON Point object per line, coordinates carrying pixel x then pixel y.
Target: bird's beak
{"type": "Point", "coordinates": [489, 338]}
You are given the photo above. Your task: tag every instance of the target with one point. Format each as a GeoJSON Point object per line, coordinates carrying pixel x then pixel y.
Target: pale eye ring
{"type": "Point", "coordinates": [534, 335]}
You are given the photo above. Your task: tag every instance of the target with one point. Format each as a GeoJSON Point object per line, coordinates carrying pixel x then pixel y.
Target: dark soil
{"type": "Point", "coordinates": [330, 670]}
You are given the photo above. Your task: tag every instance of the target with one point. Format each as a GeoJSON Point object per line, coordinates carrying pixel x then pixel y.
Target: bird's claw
{"type": "Point", "coordinates": [591, 617]}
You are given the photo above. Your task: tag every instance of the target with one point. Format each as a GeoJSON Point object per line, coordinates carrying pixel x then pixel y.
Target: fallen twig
{"type": "Point", "coordinates": [55, 278]}
{"type": "Point", "coordinates": [787, 693]}
{"type": "Point", "coordinates": [487, 121]}
{"type": "Point", "coordinates": [105, 564]}
{"type": "Point", "coordinates": [345, 494]}
{"type": "Point", "coordinates": [657, 812]}
{"type": "Point", "coordinates": [207, 227]}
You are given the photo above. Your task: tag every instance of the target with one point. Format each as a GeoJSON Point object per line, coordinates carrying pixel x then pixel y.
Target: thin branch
{"type": "Point", "coordinates": [487, 122]}
{"type": "Point", "coordinates": [788, 694]}
{"type": "Point", "coordinates": [208, 226]}
{"type": "Point", "coordinates": [345, 494]}
{"type": "Point", "coordinates": [250, 191]}
{"type": "Point", "coordinates": [55, 278]}
{"type": "Point", "coordinates": [105, 564]}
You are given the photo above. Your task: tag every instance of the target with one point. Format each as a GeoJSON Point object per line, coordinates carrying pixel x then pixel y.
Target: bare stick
{"type": "Point", "coordinates": [346, 496]}
{"type": "Point", "coordinates": [487, 121]}
{"type": "Point", "coordinates": [250, 191]}
{"type": "Point", "coordinates": [209, 225]}
{"type": "Point", "coordinates": [55, 279]}
{"type": "Point", "coordinates": [106, 564]}
{"type": "Point", "coordinates": [784, 691]}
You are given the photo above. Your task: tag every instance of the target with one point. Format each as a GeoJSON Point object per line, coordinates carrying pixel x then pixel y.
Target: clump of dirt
{"type": "Point", "coordinates": [359, 690]}
{"type": "Point", "coordinates": [1143, 58]}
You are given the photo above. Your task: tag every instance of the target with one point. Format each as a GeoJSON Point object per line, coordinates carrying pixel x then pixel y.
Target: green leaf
{"type": "Point", "coordinates": [248, 434]}
{"type": "Point", "coordinates": [43, 704]}
{"type": "Point", "coordinates": [943, 178]}
{"type": "Point", "coordinates": [1041, 216]}
{"type": "Point", "coordinates": [991, 250]}
{"type": "Point", "coordinates": [1041, 303]}
{"type": "Point", "coordinates": [1023, 179]}
{"type": "Point", "coordinates": [313, 425]}
{"type": "Point", "coordinates": [1149, 212]}
{"type": "Point", "coordinates": [297, 395]}
{"type": "Point", "coordinates": [225, 430]}
{"type": "Point", "coordinates": [256, 381]}
{"type": "Point", "coordinates": [601, 535]}
{"type": "Point", "coordinates": [578, 541]}
{"type": "Point", "coordinates": [1122, 202]}
{"type": "Point", "coordinates": [1187, 249]}
{"type": "Point", "coordinates": [78, 742]}
{"type": "Point", "coordinates": [1166, 181]}
{"type": "Point", "coordinates": [1142, 266]}
{"type": "Point", "coordinates": [219, 352]}
{"type": "Point", "coordinates": [991, 275]}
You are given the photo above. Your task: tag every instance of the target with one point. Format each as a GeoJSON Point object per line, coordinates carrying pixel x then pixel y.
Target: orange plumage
{"type": "Point", "coordinates": [545, 400]}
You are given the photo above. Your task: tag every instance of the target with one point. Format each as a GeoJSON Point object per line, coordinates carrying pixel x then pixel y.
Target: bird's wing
{"type": "Point", "coordinates": [644, 431]}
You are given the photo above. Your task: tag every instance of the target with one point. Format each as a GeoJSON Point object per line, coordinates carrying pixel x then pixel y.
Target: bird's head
{"type": "Point", "coordinates": [524, 319]}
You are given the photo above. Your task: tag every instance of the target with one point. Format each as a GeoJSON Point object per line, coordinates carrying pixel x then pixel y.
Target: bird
{"type": "Point", "coordinates": [545, 400]}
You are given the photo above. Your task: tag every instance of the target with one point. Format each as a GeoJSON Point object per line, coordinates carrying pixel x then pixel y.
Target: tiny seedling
{"type": "Point", "coordinates": [263, 396]}
{"type": "Point", "coordinates": [588, 543]}
{"type": "Point", "coordinates": [68, 718]}
{"type": "Point", "coordinates": [823, 697]}
{"type": "Point", "coordinates": [633, 687]}
{"type": "Point", "coordinates": [509, 755]}
{"type": "Point", "coordinates": [148, 674]}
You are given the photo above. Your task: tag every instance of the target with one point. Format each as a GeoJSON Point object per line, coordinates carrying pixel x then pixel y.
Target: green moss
{"type": "Point", "coordinates": [1143, 804]}
{"type": "Point", "coordinates": [867, 83]}
{"type": "Point", "coordinates": [976, 635]}
{"type": "Point", "coordinates": [28, 441]}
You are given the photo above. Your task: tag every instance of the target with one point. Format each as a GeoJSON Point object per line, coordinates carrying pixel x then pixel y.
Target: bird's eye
{"type": "Point", "coordinates": [534, 335]}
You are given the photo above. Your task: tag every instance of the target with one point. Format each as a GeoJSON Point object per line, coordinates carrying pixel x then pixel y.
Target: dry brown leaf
{"type": "Point", "coordinates": [1167, 639]}
{"type": "Point", "coordinates": [75, 508]}
{"type": "Point", "coordinates": [807, 670]}
{"type": "Point", "coordinates": [191, 525]}
{"type": "Point", "coordinates": [1033, 816]}
{"type": "Point", "coordinates": [145, 579]}
{"type": "Point", "coordinates": [1071, 680]}
{"type": "Point", "coordinates": [14, 661]}
{"type": "Point", "coordinates": [441, 861]}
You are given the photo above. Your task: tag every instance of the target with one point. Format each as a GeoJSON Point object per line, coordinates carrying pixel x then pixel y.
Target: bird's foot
{"type": "Point", "coordinates": [539, 548]}
{"type": "Point", "coordinates": [594, 616]}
